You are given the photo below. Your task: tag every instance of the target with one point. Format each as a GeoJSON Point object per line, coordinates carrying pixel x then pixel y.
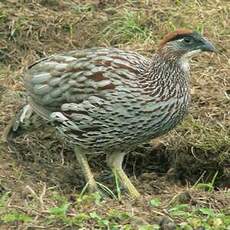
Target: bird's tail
{"type": "Point", "coordinates": [14, 128]}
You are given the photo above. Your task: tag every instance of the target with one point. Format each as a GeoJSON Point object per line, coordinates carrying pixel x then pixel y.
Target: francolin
{"type": "Point", "coordinates": [107, 100]}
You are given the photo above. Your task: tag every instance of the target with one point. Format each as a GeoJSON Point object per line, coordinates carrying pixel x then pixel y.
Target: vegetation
{"type": "Point", "coordinates": [184, 177]}
{"type": "Point", "coordinates": [88, 212]}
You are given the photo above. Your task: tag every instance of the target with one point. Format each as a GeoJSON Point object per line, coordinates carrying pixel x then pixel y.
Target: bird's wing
{"type": "Point", "coordinates": [63, 82]}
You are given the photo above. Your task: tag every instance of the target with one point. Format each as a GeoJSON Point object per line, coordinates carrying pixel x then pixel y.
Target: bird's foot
{"type": "Point", "coordinates": [126, 183]}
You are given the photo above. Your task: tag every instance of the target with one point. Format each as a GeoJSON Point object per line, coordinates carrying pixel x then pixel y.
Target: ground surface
{"type": "Point", "coordinates": [184, 177]}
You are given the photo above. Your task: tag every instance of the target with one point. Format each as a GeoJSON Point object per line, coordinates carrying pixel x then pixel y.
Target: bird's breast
{"type": "Point", "coordinates": [163, 115]}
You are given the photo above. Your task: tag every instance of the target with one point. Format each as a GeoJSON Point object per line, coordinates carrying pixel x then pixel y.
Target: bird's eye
{"type": "Point", "coordinates": [187, 40]}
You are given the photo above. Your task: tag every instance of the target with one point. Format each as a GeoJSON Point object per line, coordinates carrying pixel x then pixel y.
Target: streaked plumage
{"type": "Point", "coordinates": [107, 98]}
{"type": "Point", "coordinates": [110, 100]}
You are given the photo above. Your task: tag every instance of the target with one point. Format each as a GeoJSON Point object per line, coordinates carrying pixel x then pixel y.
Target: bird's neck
{"type": "Point", "coordinates": [177, 59]}
{"type": "Point", "coordinates": [168, 67]}
{"type": "Point", "coordinates": [168, 72]}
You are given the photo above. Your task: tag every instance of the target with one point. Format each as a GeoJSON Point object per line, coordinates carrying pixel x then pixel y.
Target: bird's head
{"type": "Point", "coordinates": [184, 43]}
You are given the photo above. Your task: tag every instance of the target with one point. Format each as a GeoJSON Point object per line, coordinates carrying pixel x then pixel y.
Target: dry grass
{"type": "Point", "coordinates": [44, 167]}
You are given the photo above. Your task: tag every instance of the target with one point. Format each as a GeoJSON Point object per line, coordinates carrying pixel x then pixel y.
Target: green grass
{"type": "Point", "coordinates": [126, 26]}
{"type": "Point", "coordinates": [207, 186]}
{"type": "Point", "coordinates": [198, 149]}
{"type": "Point", "coordinates": [75, 214]}
{"type": "Point", "coordinates": [14, 217]}
{"type": "Point", "coordinates": [195, 217]}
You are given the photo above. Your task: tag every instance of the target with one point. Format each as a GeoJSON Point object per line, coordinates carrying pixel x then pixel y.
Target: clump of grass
{"type": "Point", "coordinates": [201, 145]}
{"type": "Point", "coordinates": [193, 216]}
{"type": "Point", "coordinates": [11, 216]}
{"type": "Point", "coordinates": [206, 186]}
{"type": "Point", "coordinates": [30, 31]}
{"type": "Point", "coordinates": [203, 136]}
{"type": "Point", "coordinates": [126, 26]}
{"type": "Point", "coordinates": [155, 202]}
{"type": "Point", "coordinates": [87, 211]}
{"type": "Point", "coordinates": [18, 217]}
{"type": "Point", "coordinates": [82, 8]}
{"type": "Point", "coordinates": [3, 200]}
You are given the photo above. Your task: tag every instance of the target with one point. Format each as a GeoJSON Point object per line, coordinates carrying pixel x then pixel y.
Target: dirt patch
{"type": "Point", "coordinates": [197, 152]}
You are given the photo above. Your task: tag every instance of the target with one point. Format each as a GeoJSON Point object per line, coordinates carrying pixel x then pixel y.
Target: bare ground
{"type": "Point", "coordinates": [196, 153]}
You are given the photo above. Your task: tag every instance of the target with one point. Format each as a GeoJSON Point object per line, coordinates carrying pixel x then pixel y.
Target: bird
{"type": "Point", "coordinates": [108, 100]}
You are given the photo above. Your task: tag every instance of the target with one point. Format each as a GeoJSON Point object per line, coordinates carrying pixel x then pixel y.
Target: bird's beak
{"type": "Point", "coordinates": [207, 46]}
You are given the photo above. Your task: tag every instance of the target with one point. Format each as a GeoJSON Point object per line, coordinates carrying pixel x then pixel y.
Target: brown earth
{"type": "Point", "coordinates": [193, 153]}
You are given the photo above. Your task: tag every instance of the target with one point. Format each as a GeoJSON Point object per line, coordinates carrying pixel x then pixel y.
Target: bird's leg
{"type": "Point", "coordinates": [83, 162]}
{"type": "Point", "coordinates": [114, 161]}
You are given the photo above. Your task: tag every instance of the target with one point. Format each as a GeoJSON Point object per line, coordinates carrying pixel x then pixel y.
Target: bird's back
{"type": "Point", "coordinates": [77, 75]}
